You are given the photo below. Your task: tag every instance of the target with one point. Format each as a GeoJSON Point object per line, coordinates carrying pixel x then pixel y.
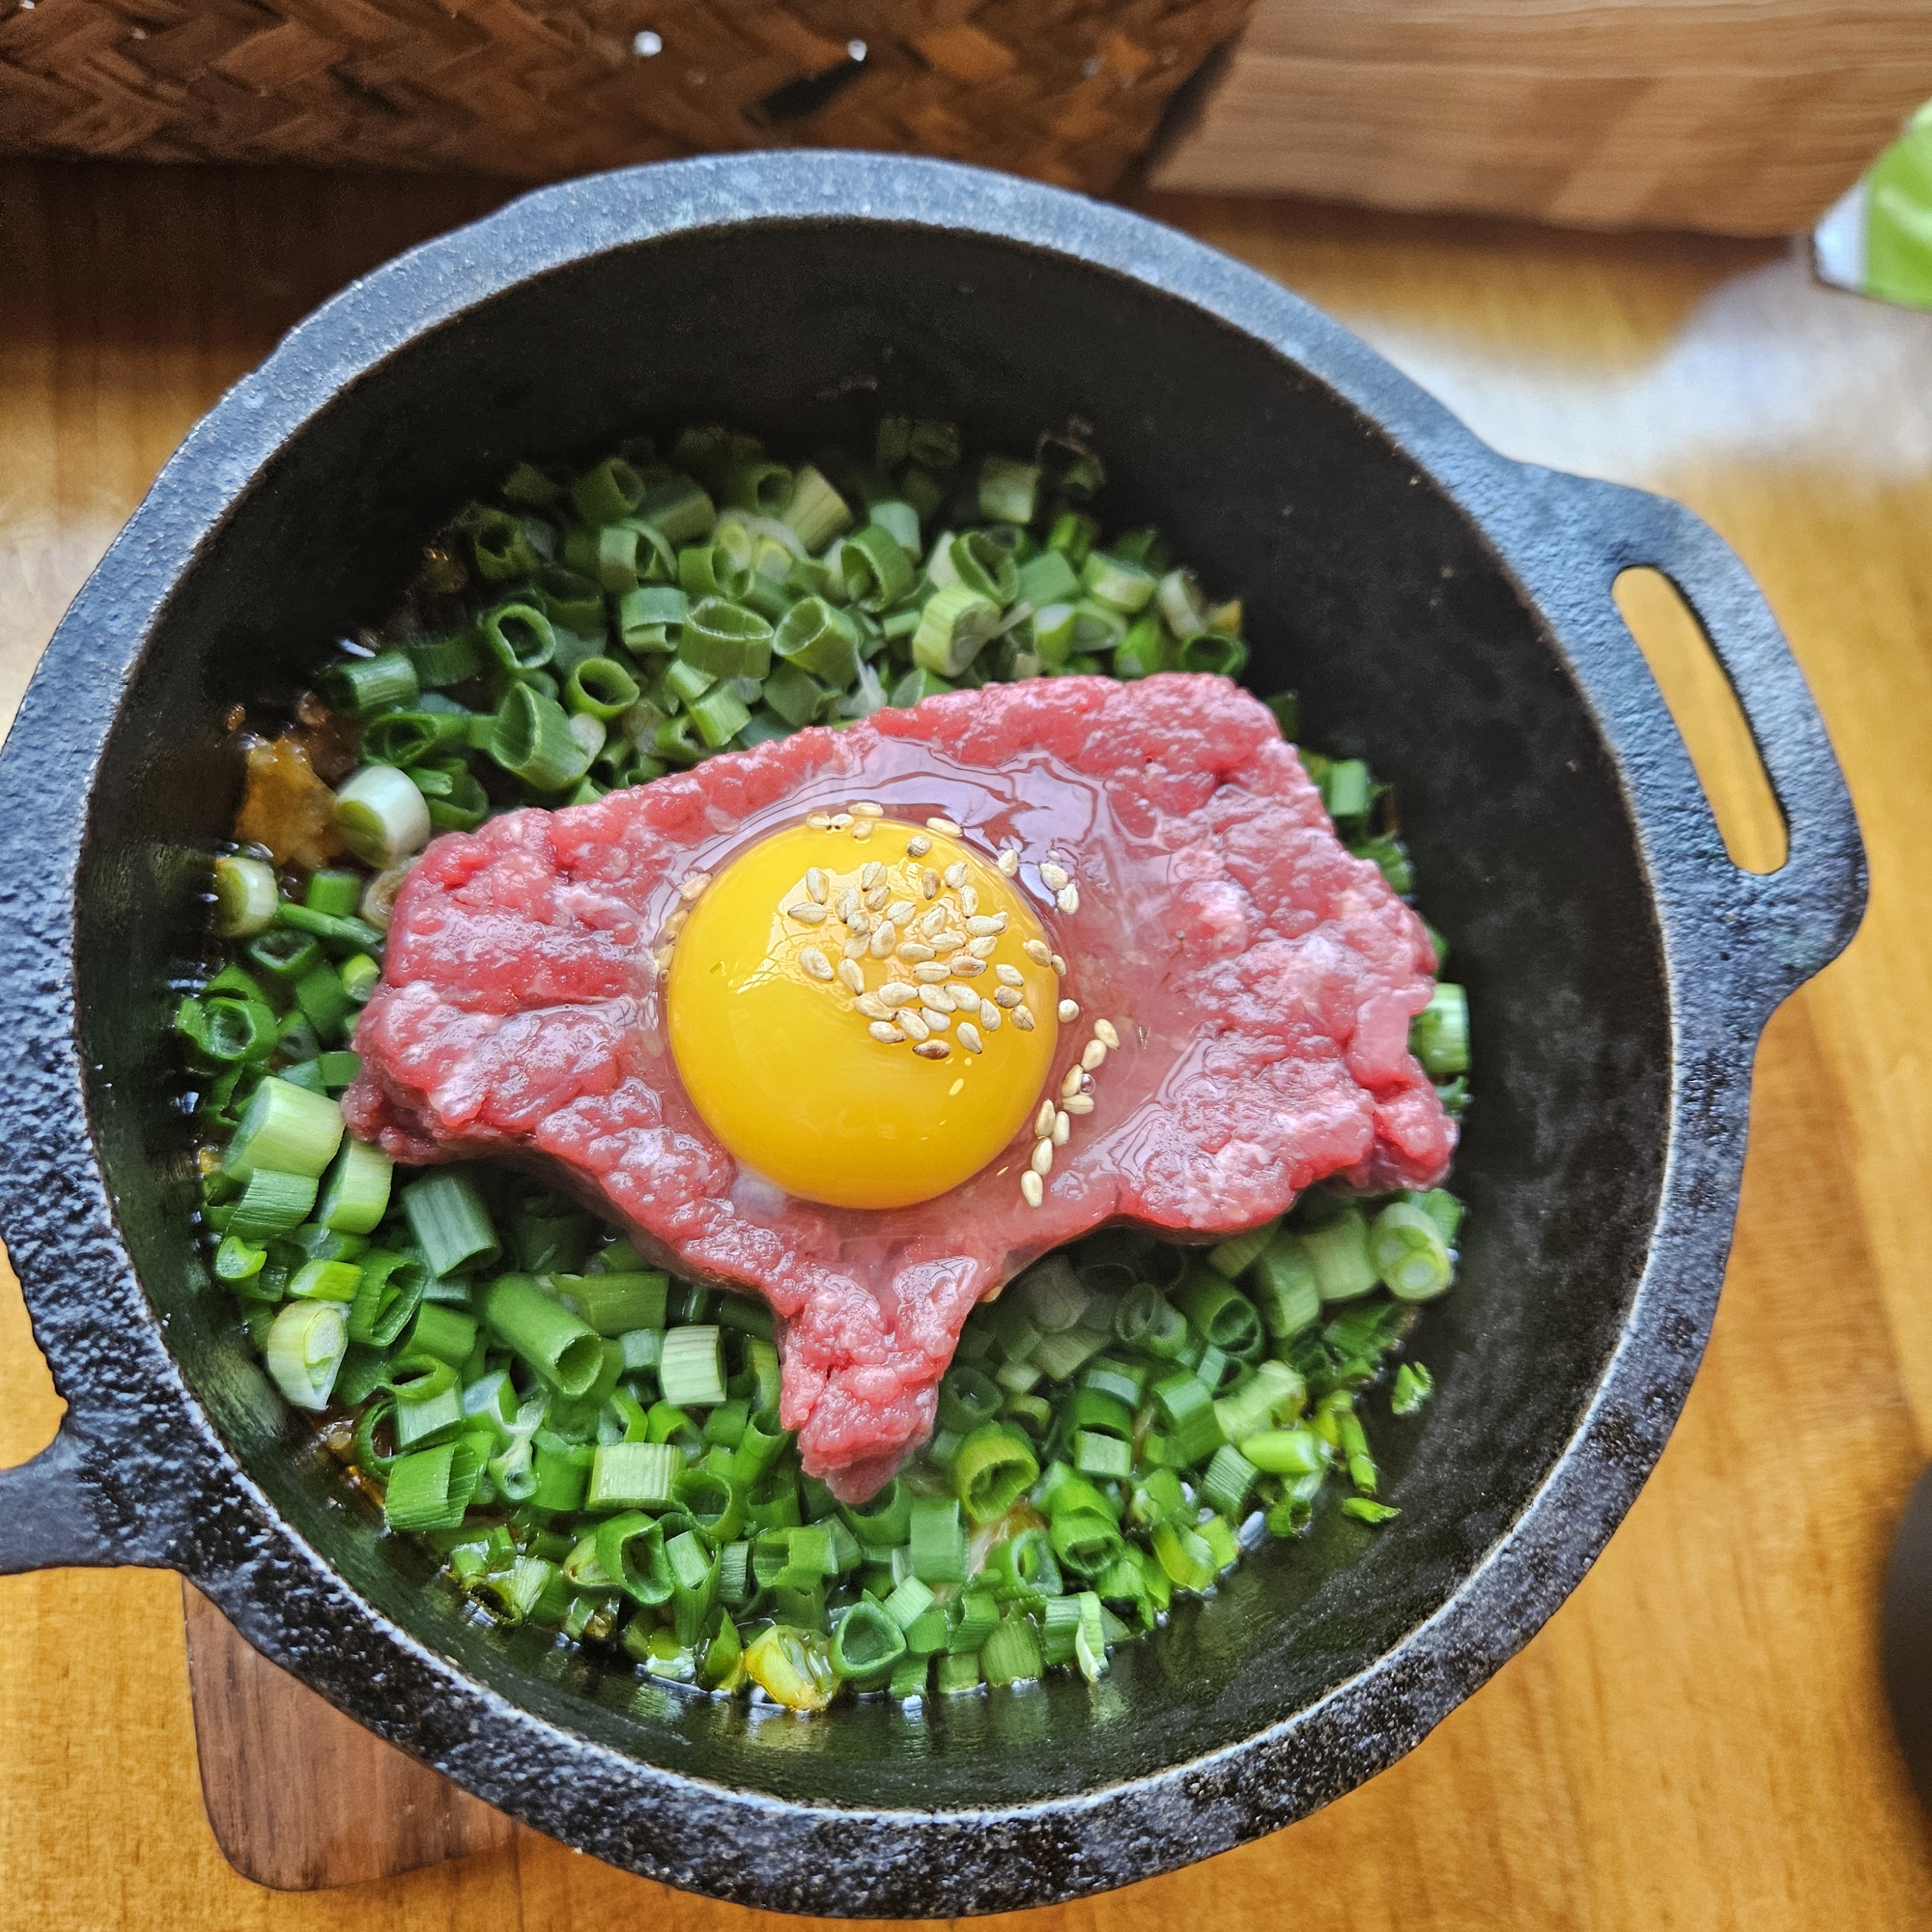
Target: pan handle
{"type": "Point", "coordinates": [48, 1514]}
{"type": "Point", "coordinates": [1805, 913]}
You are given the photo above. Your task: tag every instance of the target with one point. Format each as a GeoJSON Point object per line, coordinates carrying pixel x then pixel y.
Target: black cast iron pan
{"type": "Point", "coordinates": [1440, 609]}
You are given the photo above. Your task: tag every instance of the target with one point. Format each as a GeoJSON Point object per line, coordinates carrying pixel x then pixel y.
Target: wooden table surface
{"type": "Point", "coordinates": [1698, 1738]}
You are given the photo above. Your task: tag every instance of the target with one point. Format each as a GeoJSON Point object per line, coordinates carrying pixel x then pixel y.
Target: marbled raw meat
{"type": "Point", "coordinates": [1262, 980]}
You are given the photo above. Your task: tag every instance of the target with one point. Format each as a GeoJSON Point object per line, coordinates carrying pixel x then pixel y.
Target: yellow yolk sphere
{"type": "Point", "coordinates": [794, 1067]}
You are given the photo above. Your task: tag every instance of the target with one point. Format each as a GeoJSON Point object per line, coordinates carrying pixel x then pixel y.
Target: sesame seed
{"type": "Point", "coordinates": [1092, 1054]}
{"type": "Point", "coordinates": [1035, 949]}
{"type": "Point", "coordinates": [1071, 1085]}
{"type": "Point", "coordinates": [969, 900]}
{"type": "Point", "coordinates": [896, 992]}
{"type": "Point", "coordinates": [1069, 1011]}
{"type": "Point", "coordinates": [885, 936]}
{"type": "Point", "coordinates": [1007, 996]}
{"type": "Point", "coordinates": [815, 963]}
{"type": "Point", "coordinates": [819, 821]}
{"type": "Point", "coordinates": [1009, 862]}
{"type": "Point", "coordinates": [969, 1037]}
{"type": "Point", "coordinates": [693, 886]}
{"type": "Point", "coordinates": [839, 820]}
{"type": "Point", "coordinates": [875, 899]}
{"type": "Point", "coordinates": [1063, 1128]}
{"type": "Point", "coordinates": [860, 923]}
{"type": "Point", "coordinates": [1032, 1188]}
{"type": "Point", "coordinates": [983, 947]}
{"type": "Point", "coordinates": [885, 1031]}
{"type": "Point", "coordinates": [982, 923]}
{"type": "Point", "coordinates": [1023, 1018]}
{"type": "Point", "coordinates": [918, 845]}
{"type": "Point", "coordinates": [806, 913]}
{"type": "Point", "coordinates": [870, 874]}
{"type": "Point", "coordinates": [945, 825]}
{"type": "Point", "coordinates": [876, 1005]}
{"type": "Point", "coordinates": [935, 999]}
{"type": "Point", "coordinates": [848, 902]}
{"type": "Point", "coordinates": [661, 959]}
{"type": "Point", "coordinates": [1052, 876]}
{"type": "Point", "coordinates": [855, 949]}
{"type": "Point", "coordinates": [852, 974]}
{"type": "Point", "coordinates": [1043, 1121]}
{"type": "Point", "coordinates": [1104, 1032]}
{"type": "Point", "coordinates": [933, 921]}
{"type": "Point", "coordinates": [1068, 899]}
{"type": "Point", "coordinates": [863, 830]}
{"type": "Point", "coordinates": [914, 951]}
{"type": "Point", "coordinates": [989, 1016]}
{"type": "Point", "coordinates": [900, 911]}
{"type": "Point", "coordinates": [965, 965]}
{"type": "Point", "coordinates": [932, 1049]}
{"type": "Point", "coordinates": [939, 1022]}
{"type": "Point", "coordinates": [1059, 965]}
{"type": "Point", "coordinates": [1008, 976]}
{"type": "Point", "coordinates": [928, 883]}
{"type": "Point", "coordinates": [675, 924]}
{"type": "Point", "coordinates": [955, 874]}
{"type": "Point", "coordinates": [931, 971]}
{"type": "Point", "coordinates": [1078, 1103]}
{"type": "Point", "coordinates": [816, 885]}
{"type": "Point", "coordinates": [947, 939]}
{"type": "Point", "coordinates": [914, 1021]}
{"type": "Point", "coordinates": [867, 808]}
{"type": "Point", "coordinates": [1042, 1163]}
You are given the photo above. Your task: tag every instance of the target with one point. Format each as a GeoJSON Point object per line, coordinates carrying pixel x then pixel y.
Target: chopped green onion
{"type": "Point", "coordinates": [325, 1281]}
{"type": "Point", "coordinates": [304, 1351]}
{"type": "Point", "coordinates": [1234, 1257]}
{"type": "Point", "coordinates": [447, 1216]}
{"type": "Point", "coordinates": [953, 626]}
{"type": "Point", "coordinates": [612, 489]}
{"type": "Point", "coordinates": [691, 1372]}
{"type": "Point", "coordinates": [1409, 1253]}
{"type": "Point", "coordinates": [867, 1641]}
{"type": "Point", "coordinates": [1209, 651]}
{"type": "Point", "coordinates": [285, 1129]}
{"type": "Point", "coordinates": [1438, 1035]}
{"type": "Point", "coordinates": [565, 1351]}
{"type": "Point", "coordinates": [680, 508]}
{"type": "Point", "coordinates": [817, 512]}
{"type": "Point", "coordinates": [1286, 1289]}
{"type": "Point", "coordinates": [244, 896]}
{"type": "Point", "coordinates": [1286, 1452]}
{"type": "Point", "coordinates": [1414, 1386]}
{"type": "Point", "coordinates": [993, 1466]}
{"type": "Point", "coordinates": [816, 636]}
{"type": "Point", "coordinates": [1008, 491]}
{"type": "Point", "coordinates": [938, 1540]}
{"type": "Point", "coordinates": [793, 1667]}
{"type": "Point", "coordinates": [1365, 1511]}
{"type": "Point", "coordinates": [633, 1475]}
{"type": "Point", "coordinates": [1339, 1254]}
{"type": "Point", "coordinates": [876, 571]}
{"type": "Point", "coordinates": [518, 637]}
{"type": "Point", "coordinates": [616, 1304]}
{"type": "Point", "coordinates": [356, 1196]}
{"type": "Point", "coordinates": [1117, 582]}
{"type": "Point", "coordinates": [719, 715]}
{"type": "Point", "coordinates": [362, 686]}
{"type": "Point", "coordinates": [530, 737]}
{"type": "Point", "coordinates": [431, 1488]}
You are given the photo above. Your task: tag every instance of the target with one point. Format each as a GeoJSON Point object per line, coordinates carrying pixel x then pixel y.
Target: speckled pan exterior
{"type": "Point", "coordinates": [1440, 609]}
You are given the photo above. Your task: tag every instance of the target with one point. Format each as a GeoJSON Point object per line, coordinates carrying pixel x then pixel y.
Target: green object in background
{"type": "Point", "coordinates": [1877, 240]}
{"type": "Point", "coordinates": [1898, 218]}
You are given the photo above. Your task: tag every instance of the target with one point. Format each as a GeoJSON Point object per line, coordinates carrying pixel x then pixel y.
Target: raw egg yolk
{"type": "Point", "coordinates": [865, 1015]}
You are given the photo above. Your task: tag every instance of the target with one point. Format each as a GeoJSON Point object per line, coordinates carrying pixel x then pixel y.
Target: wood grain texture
{"type": "Point", "coordinates": [1740, 117]}
{"type": "Point", "coordinates": [1697, 1738]}
{"type": "Point", "coordinates": [301, 1797]}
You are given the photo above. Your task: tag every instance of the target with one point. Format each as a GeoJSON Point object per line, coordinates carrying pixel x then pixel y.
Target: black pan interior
{"type": "Point", "coordinates": [1368, 592]}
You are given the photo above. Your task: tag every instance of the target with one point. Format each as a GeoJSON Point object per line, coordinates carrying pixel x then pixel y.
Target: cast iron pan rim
{"type": "Point", "coordinates": [816, 1857]}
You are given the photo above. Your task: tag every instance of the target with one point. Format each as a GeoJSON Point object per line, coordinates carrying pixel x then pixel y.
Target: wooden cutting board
{"type": "Point", "coordinates": [301, 1797]}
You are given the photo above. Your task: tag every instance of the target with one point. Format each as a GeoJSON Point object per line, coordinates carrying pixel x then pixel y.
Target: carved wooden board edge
{"type": "Point", "coordinates": [301, 1798]}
